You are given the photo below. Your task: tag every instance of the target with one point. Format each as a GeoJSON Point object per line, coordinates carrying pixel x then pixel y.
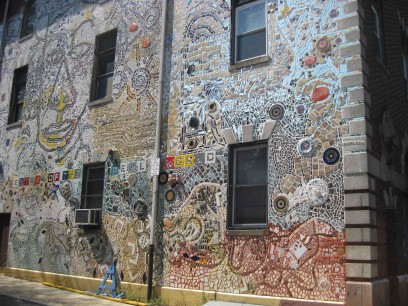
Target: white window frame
{"type": "Point", "coordinates": [240, 8]}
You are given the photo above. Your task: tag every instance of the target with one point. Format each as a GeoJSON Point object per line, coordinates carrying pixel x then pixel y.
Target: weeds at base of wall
{"type": "Point", "coordinates": [130, 293]}
{"type": "Point", "coordinates": [157, 302]}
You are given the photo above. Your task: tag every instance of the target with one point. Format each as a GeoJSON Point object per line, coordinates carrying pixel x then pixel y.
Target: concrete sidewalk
{"type": "Point", "coordinates": [40, 294]}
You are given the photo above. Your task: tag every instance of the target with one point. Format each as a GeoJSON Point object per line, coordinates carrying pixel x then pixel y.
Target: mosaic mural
{"type": "Point", "coordinates": [292, 101]}
{"type": "Point", "coordinates": [41, 181]}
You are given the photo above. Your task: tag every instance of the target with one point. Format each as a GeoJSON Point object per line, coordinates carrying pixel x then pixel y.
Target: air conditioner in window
{"type": "Point", "coordinates": [88, 216]}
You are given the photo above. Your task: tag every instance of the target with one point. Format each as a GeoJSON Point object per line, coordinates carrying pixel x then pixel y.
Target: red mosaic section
{"type": "Point", "coordinates": [304, 262]}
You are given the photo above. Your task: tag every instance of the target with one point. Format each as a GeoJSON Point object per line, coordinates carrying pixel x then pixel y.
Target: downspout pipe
{"type": "Point", "coordinates": [155, 195]}
{"type": "Point", "coordinates": [5, 30]}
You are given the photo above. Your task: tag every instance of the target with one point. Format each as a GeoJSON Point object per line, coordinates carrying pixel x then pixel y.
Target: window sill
{"type": "Point", "coordinates": [248, 232]}
{"type": "Point", "coordinates": [101, 102]}
{"type": "Point", "coordinates": [250, 62]}
{"type": "Point", "coordinates": [14, 125]}
{"type": "Point", "coordinates": [25, 38]}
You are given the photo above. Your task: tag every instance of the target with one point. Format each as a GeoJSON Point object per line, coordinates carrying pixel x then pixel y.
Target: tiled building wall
{"type": "Point", "coordinates": [60, 133]}
{"type": "Point", "coordinates": [318, 82]}
{"type": "Point", "coordinates": [302, 253]}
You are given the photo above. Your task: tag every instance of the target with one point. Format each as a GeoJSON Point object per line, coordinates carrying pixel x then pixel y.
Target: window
{"type": "Point", "coordinates": [378, 36]}
{"type": "Point", "coordinates": [104, 64]}
{"type": "Point", "coordinates": [92, 186]}
{"type": "Point", "coordinates": [27, 26]}
{"type": "Point", "coordinates": [18, 94]}
{"type": "Point", "coordinates": [405, 68]}
{"type": "Point", "coordinates": [248, 186]}
{"type": "Point", "coordinates": [250, 29]}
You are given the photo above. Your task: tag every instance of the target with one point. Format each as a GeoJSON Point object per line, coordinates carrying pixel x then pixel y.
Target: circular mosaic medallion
{"type": "Point", "coordinates": [132, 179]}
{"type": "Point", "coordinates": [212, 107]}
{"type": "Point", "coordinates": [317, 192]}
{"type": "Point", "coordinates": [141, 79]}
{"type": "Point", "coordinates": [170, 195]}
{"type": "Point", "coordinates": [163, 177]}
{"type": "Point", "coordinates": [115, 184]}
{"type": "Point", "coordinates": [305, 146]}
{"type": "Point", "coordinates": [281, 204]}
{"type": "Point", "coordinates": [323, 44]}
{"type": "Point", "coordinates": [192, 143]}
{"type": "Point", "coordinates": [331, 156]}
{"type": "Point", "coordinates": [276, 112]}
{"type": "Point", "coordinates": [194, 123]}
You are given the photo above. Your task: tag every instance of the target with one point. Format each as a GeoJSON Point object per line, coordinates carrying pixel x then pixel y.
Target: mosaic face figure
{"type": "Point", "coordinates": [67, 62]}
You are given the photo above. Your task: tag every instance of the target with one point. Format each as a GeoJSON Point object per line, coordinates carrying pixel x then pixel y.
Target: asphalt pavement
{"type": "Point", "coordinates": [18, 292]}
{"type": "Point", "coordinates": [12, 301]}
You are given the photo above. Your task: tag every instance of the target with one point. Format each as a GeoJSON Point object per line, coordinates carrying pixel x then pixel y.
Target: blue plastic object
{"type": "Point", "coordinates": [110, 273]}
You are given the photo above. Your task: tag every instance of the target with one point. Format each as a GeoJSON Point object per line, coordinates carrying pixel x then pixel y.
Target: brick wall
{"type": "Point", "coordinates": [384, 80]}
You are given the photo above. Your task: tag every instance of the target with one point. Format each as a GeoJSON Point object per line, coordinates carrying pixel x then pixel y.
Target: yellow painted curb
{"type": "Point", "coordinates": [96, 295]}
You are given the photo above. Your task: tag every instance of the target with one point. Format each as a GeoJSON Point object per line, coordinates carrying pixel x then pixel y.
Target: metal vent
{"type": "Point", "coordinates": [81, 216]}
{"type": "Point", "coordinates": [88, 216]}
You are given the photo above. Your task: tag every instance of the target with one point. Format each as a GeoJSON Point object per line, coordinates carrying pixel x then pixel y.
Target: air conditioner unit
{"type": "Point", "coordinates": [88, 216]}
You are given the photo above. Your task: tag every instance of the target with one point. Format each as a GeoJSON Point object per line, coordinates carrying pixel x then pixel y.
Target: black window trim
{"type": "Point", "coordinates": [97, 56]}
{"type": "Point", "coordinates": [378, 32]}
{"type": "Point", "coordinates": [29, 9]}
{"type": "Point", "coordinates": [14, 103]}
{"type": "Point", "coordinates": [405, 70]}
{"type": "Point", "coordinates": [231, 184]}
{"type": "Point", "coordinates": [233, 50]}
{"type": "Point", "coordinates": [85, 180]}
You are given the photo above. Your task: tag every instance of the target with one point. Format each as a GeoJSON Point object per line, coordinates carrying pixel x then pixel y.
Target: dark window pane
{"type": "Point", "coordinates": [251, 45]}
{"type": "Point", "coordinates": [96, 173]}
{"type": "Point", "coordinates": [251, 166]}
{"type": "Point", "coordinates": [251, 18]}
{"type": "Point", "coordinates": [94, 202]}
{"type": "Point", "coordinates": [104, 86]}
{"type": "Point", "coordinates": [27, 26]}
{"type": "Point", "coordinates": [18, 115]}
{"type": "Point", "coordinates": [250, 205]}
{"type": "Point", "coordinates": [30, 27]}
{"type": "Point", "coordinates": [378, 48]}
{"type": "Point", "coordinates": [95, 187]}
{"type": "Point", "coordinates": [92, 186]}
{"type": "Point", "coordinates": [21, 75]}
{"type": "Point", "coordinates": [106, 63]}
{"type": "Point", "coordinates": [20, 91]}
{"type": "Point", "coordinates": [18, 94]}
{"type": "Point", "coordinates": [107, 41]}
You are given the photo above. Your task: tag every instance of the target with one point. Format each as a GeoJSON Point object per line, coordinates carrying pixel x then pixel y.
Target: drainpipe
{"type": "Point", "coordinates": [155, 195]}
{"type": "Point", "coordinates": [3, 38]}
